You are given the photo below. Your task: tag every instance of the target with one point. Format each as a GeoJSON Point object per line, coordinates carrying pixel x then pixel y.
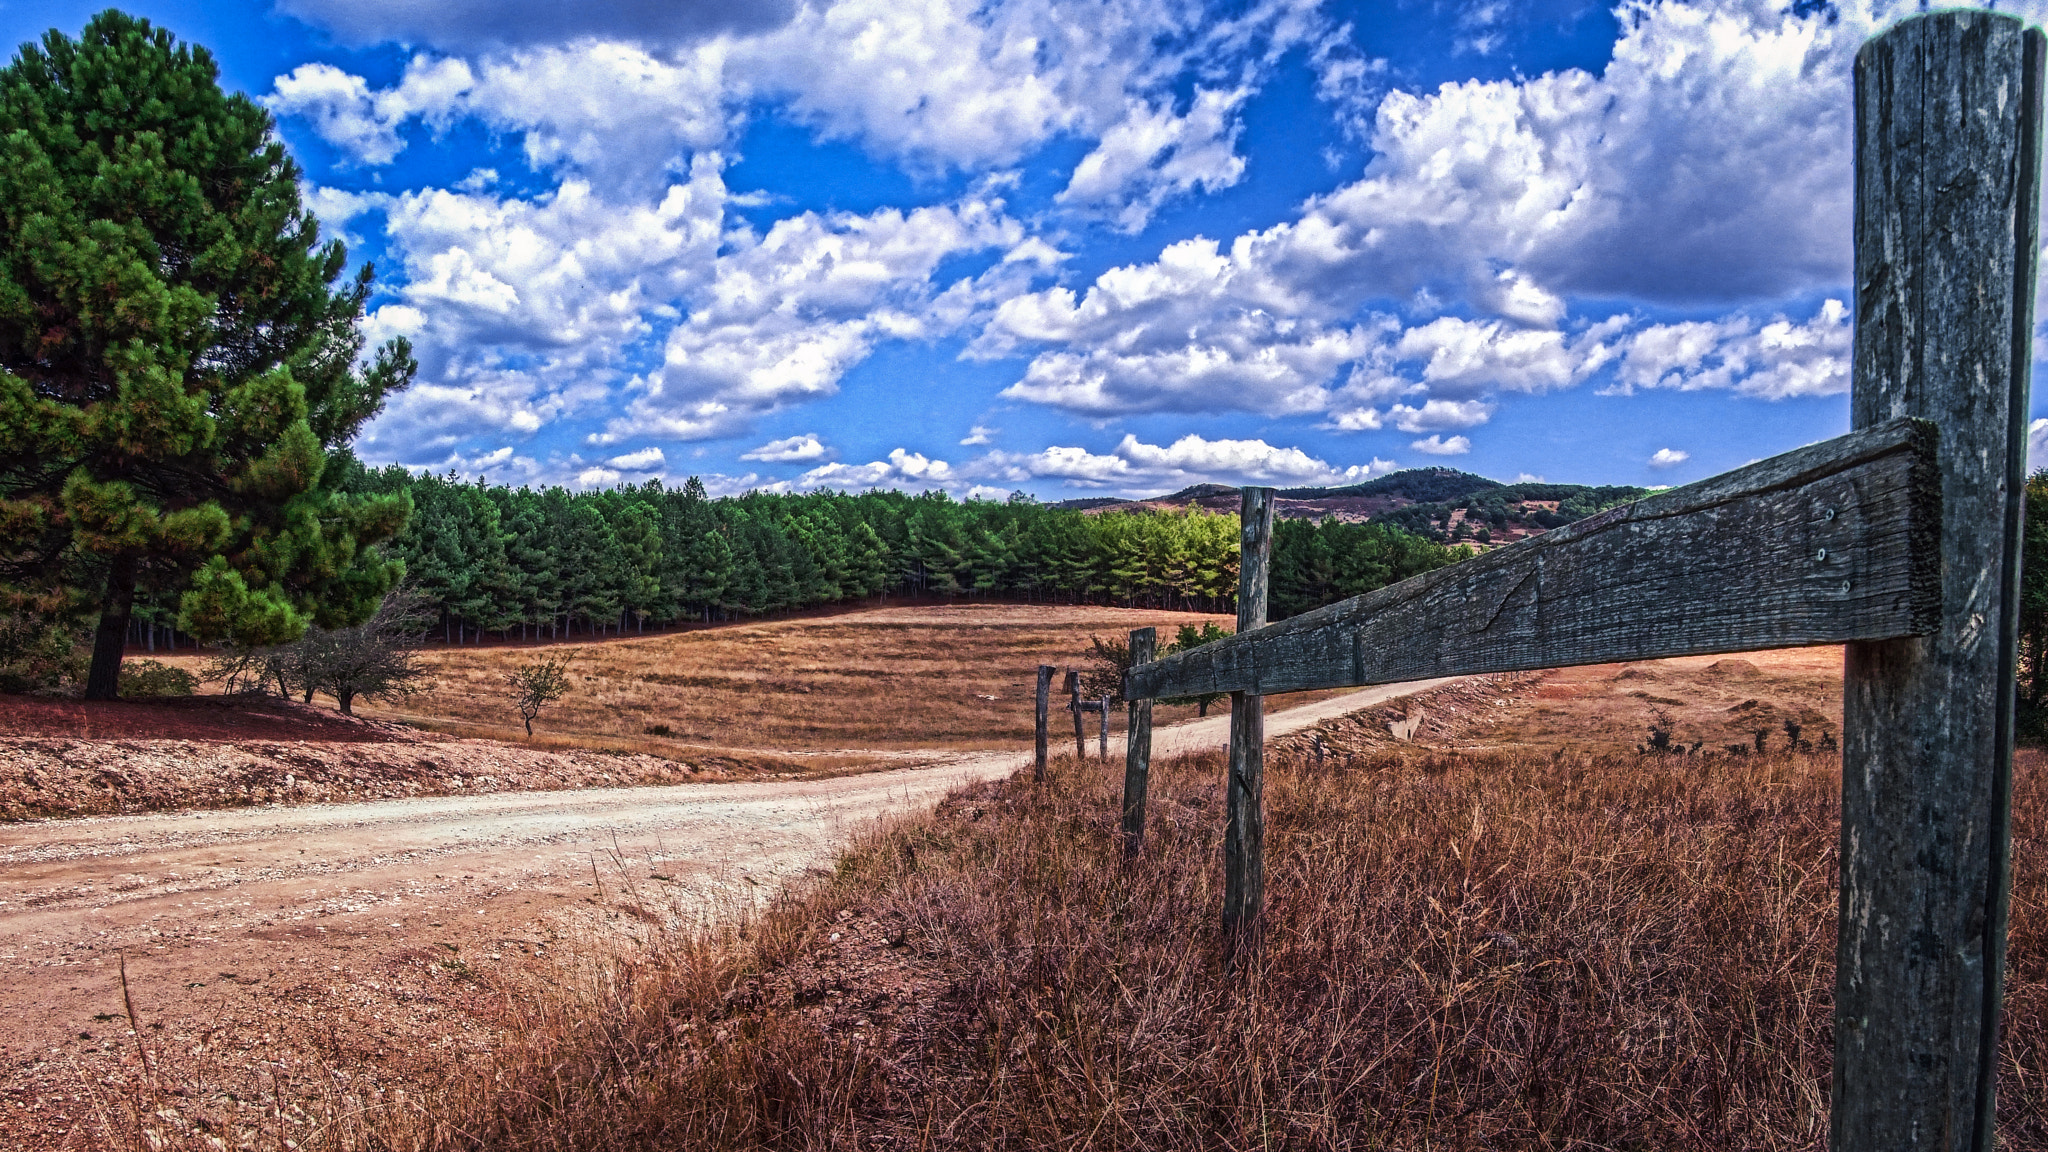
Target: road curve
{"type": "Point", "coordinates": [197, 895]}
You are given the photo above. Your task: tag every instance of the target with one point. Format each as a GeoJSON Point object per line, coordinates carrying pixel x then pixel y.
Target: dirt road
{"type": "Point", "coordinates": [218, 911]}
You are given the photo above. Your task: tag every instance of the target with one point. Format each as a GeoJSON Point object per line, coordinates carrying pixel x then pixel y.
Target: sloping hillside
{"type": "Point", "coordinates": [1442, 504]}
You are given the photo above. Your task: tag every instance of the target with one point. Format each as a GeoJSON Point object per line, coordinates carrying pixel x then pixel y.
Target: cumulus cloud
{"type": "Point", "coordinates": [1669, 458]}
{"type": "Point", "coordinates": [342, 110]}
{"type": "Point", "coordinates": [789, 450]}
{"type": "Point", "coordinates": [903, 469]}
{"type": "Point", "coordinates": [476, 23]}
{"type": "Point", "coordinates": [1134, 465]}
{"type": "Point", "coordinates": [645, 460]}
{"type": "Point", "coordinates": [1438, 446]}
{"type": "Point", "coordinates": [978, 435]}
{"type": "Point", "coordinates": [1153, 155]}
{"type": "Point", "coordinates": [2037, 445]}
{"type": "Point", "coordinates": [1708, 161]}
{"type": "Point", "coordinates": [1773, 360]}
{"type": "Point", "coordinates": [785, 314]}
{"type": "Point", "coordinates": [1438, 414]}
{"type": "Point", "coordinates": [622, 93]}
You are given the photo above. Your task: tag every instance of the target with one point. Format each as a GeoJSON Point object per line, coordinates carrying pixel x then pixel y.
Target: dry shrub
{"type": "Point", "coordinates": [1498, 951]}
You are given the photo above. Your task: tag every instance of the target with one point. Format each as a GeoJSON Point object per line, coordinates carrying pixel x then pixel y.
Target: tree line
{"type": "Point", "coordinates": [513, 563]}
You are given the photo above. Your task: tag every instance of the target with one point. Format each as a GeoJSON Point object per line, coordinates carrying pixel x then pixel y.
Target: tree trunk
{"type": "Point", "coordinates": [347, 700]}
{"type": "Point", "coordinates": [103, 682]}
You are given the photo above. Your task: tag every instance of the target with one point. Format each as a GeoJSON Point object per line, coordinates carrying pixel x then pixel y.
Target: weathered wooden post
{"type": "Point", "coordinates": [1044, 716]}
{"type": "Point", "coordinates": [1138, 747]}
{"type": "Point", "coordinates": [1947, 209]}
{"type": "Point", "coordinates": [1244, 821]}
{"type": "Point", "coordinates": [1102, 749]}
{"type": "Point", "coordinates": [1073, 689]}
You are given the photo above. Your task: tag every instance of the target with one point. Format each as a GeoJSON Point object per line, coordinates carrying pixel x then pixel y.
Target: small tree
{"type": "Point", "coordinates": [1110, 662]}
{"type": "Point", "coordinates": [376, 660]}
{"type": "Point", "coordinates": [538, 685]}
{"type": "Point", "coordinates": [1189, 638]}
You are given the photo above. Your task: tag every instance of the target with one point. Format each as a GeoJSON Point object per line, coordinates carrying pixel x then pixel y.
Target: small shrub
{"type": "Point", "coordinates": [155, 678]}
{"type": "Point", "coordinates": [37, 656]}
{"type": "Point", "coordinates": [658, 730]}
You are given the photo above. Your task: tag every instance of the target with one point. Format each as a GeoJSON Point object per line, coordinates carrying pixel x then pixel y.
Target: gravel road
{"type": "Point", "coordinates": [261, 900]}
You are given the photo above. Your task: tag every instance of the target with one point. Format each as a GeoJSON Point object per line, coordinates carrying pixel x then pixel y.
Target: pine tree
{"type": "Point", "coordinates": [177, 362]}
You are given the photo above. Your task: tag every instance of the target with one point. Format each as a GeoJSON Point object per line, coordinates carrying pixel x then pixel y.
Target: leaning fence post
{"type": "Point", "coordinates": [1044, 710]}
{"type": "Point", "coordinates": [1244, 822]}
{"type": "Point", "coordinates": [1947, 210]}
{"type": "Point", "coordinates": [1138, 747]}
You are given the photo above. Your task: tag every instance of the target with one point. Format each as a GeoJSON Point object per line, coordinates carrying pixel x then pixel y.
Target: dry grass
{"type": "Point", "coordinates": [908, 680]}
{"type": "Point", "coordinates": [1513, 950]}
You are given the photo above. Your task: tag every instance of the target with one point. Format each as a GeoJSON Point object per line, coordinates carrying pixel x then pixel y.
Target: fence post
{"type": "Point", "coordinates": [1138, 747]}
{"type": "Point", "coordinates": [1244, 821]}
{"type": "Point", "coordinates": [1072, 688]}
{"type": "Point", "coordinates": [1102, 749]}
{"type": "Point", "coordinates": [1947, 210]}
{"type": "Point", "coordinates": [1044, 710]}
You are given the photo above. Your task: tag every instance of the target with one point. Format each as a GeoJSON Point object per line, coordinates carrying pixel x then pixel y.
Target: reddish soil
{"type": "Point", "coordinates": [218, 718]}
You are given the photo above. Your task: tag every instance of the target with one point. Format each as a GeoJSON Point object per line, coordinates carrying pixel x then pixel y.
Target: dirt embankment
{"type": "Point", "coordinates": [67, 758]}
{"type": "Point", "coordinates": [1704, 706]}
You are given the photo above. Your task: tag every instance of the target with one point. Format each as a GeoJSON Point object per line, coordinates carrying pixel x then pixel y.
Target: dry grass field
{"type": "Point", "coordinates": [1490, 950]}
{"type": "Point", "coordinates": [1472, 943]}
{"type": "Point", "coordinates": [900, 680]}
{"type": "Point", "coordinates": [813, 694]}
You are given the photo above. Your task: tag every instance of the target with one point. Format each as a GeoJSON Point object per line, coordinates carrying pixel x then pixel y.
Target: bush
{"type": "Point", "coordinates": [155, 678]}
{"type": "Point", "coordinates": [37, 655]}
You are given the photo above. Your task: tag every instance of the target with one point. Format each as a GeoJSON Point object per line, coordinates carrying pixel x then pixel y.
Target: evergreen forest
{"type": "Point", "coordinates": [493, 561]}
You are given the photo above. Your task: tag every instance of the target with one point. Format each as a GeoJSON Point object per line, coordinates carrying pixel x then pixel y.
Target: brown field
{"type": "Point", "coordinates": [819, 693]}
{"type": "Point", "coordinates": [1471, 943]}
{"type": "Point", "coordinates": [895, 680]}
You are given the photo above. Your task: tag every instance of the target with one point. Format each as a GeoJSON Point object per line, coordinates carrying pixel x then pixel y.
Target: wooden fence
{"type": "Point", "coordinates": [1899, 540]}
{"type": "Point", "coordinates": [1075, 705]}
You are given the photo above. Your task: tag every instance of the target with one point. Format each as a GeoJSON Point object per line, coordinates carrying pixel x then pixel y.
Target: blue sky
{"type": "Point", "coordinates": [1111, 247]}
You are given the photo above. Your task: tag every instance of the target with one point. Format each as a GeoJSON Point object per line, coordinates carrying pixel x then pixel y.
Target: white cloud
{"type": "Point", "coordinates": [903, 469]}
{"type": "Point", "coordinates": [978, 435]}
{"type": "Point", "coordinates": [1669, 458]}
{"type": "Point", "coordinates": [1440, 414]}
{"type": "Point", "coordinates": [1134, 466]}
{"type": "Point", "coordinates": [623, 93]}
{"type": "Point", "coordinates": [784, 315]}
{"type": "Point", "coordinates": [343, 111]}
{"type": "Point", "coordinates": [2037, 444]}
{"type": "Point", "coordinates": [1438, 446]}
{"type": "Point", "coordinates": [1773, 360]}
{"type": "Point", "coordinates": [1153, 155]}
{"type": "Point", "coordinates": [645, 460]}
{"type": "Point", "coordinates": [1707, 161]}
{"type": "Point", "coordinates": [789, 450]}
{"type": "Point", "coordinates": [491, 22]}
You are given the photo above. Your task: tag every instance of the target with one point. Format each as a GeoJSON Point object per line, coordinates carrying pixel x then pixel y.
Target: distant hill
{"type": "Point", "coordinates": [1442, 504]}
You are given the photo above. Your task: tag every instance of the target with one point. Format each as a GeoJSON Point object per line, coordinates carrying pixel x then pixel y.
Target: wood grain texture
{"type": "Point", "coordinates": [1244, 819]}
{"type": "Point", "coordinates": [1044, 719]}
{"type": "Point", "coordinates": [1138, 748]}
{"type": "Point", "coordinates": [1947, 210]}
{"type": "Point", "coordinates": [1825, 544]}
{"type": "Point", "coordinates": [1073, 690]}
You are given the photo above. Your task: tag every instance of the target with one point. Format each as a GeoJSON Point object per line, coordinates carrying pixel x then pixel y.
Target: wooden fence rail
{"type": "Point", "coordinates": [1899, 540]}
